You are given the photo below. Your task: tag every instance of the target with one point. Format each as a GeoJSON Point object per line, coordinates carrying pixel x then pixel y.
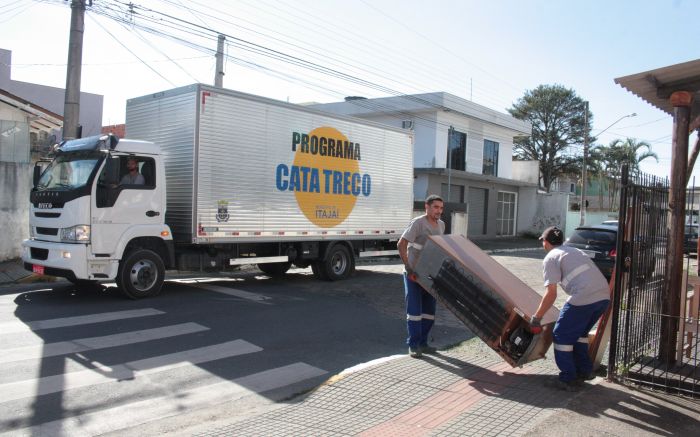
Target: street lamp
{"type": "Point", "coordinates": [582, 208]}
{"type": "Point", "coordinates": [634, 114]}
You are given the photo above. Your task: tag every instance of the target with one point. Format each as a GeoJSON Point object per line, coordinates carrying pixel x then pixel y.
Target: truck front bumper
{"type": "Point", "coordinates": [55, 259]}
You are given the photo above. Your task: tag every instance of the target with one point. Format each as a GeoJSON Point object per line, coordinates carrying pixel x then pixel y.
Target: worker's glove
{"type": "Point", "coordinates": [535, 325]}
{"type": "Point", "coordinates": [411, 274]}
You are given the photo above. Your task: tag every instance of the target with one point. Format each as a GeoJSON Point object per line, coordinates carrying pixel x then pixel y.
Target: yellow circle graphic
{"type": "Point", "coordinates": [336, 173]}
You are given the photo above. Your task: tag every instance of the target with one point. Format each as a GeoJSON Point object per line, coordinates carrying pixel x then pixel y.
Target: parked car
{"type": "Point", "coordinates": [599, 242]}
{"type": "Point", "coordinates": [690, 240]}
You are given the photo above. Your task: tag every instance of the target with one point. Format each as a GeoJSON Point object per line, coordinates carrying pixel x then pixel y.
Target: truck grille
{"type": "Point", "coordinates": [47, 214]}
{"type": "Point", "coordinates": [480, 309]}
{"type": "Point", "coordinates": [41, 254]}
{"type": "Point", "coordinates": [47, 231]}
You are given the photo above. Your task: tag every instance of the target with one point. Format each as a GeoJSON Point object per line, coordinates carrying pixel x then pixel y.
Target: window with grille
{"type": "Point", "coordinates": [505, 213]}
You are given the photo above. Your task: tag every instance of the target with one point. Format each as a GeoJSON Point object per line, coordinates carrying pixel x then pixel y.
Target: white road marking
{"type": "Point", "coordinates": [19, 326]}
{"type": "Point", "coordinates": [255, 297]}
{"type": "Point", "coordinates": [178, 402]}
{"type": "Point", "coordinates": [102, 374]}
{"type": "Point", "coordinates": [39, 351]}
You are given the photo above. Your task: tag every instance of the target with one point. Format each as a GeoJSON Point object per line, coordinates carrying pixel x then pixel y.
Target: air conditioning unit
{"type": "Point", "coordinates": [490, 300]}
{"type": "Point", "coordinates": [407, 124]}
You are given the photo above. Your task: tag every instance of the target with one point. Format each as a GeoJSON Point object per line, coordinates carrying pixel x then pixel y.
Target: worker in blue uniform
{"type": "Point", "coordinates": [420, 305]}
{"type": "Point", "coordinates": [588, 299]}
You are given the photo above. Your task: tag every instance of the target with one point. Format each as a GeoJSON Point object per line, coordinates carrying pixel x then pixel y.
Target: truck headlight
{"type": "Point", "coordinates": [76, 234]}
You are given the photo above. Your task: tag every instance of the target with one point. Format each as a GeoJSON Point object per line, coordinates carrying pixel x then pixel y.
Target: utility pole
{"type": "Point", "coordinates": [71, 106]}
{"type": "Point", "coordinates": [219, 75]}
{"type": "Point", "coordinates": [585, 158]}
{"type": "Point", "coordinates": [450, 138]}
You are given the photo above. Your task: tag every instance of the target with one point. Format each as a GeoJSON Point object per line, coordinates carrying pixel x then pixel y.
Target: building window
{"type": "Point", "coordinates": [505, 214]}
{"type": "Point", "coordinates": [572, 188]}
{"type": "Point", "coordinates": [490, 158]}
{"type": "Point", "coordinates": [454, 194]}
{"type": "Point", "coordinates": [456, 150]}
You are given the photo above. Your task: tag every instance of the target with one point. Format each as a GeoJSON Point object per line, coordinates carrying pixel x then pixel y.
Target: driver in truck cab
{"type": "Point", "coordinates": [133, 177]}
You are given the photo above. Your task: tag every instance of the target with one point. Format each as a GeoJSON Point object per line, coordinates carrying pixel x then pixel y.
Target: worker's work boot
{"type": "Point", "coordinates": [430, 350]}
{"type": "Point", "coordinates": [569, 386]}
{"type": "Point", "coordinates": [415, 352]}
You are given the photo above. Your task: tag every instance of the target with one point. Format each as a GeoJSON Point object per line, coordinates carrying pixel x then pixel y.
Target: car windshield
{"type": "Point", "coordinates": [691, 230]}
{"type": "Point", "coordinates": [69, 171]}
{"type": "Point", "coordinates": [593, 236]}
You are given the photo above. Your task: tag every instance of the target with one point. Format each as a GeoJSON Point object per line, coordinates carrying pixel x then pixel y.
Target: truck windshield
{"type": "Point", "coordinates": [69, 171]}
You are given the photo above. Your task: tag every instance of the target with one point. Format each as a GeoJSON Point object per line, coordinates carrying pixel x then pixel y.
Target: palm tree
{"type": "Point", "coordinates": [620, 152]}
{"type": "Point", "coordinates": [628, 152]}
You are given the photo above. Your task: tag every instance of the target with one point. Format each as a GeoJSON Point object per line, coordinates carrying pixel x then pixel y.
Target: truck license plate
{"type": "Point", "coordinates": [39, 270]}
{"type": "Point", "coordinates": [589, 253]}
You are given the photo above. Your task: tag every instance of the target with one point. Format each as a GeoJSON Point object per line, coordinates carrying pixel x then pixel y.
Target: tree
{"type": "Point", "coordinates": [557, 116]}
{"type": "Point", "coordinates": [619, 152]}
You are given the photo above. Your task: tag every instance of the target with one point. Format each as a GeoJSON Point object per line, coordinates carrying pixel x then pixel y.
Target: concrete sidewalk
{"type": "Point", "coordinates": [466, 391]}
{"type": "Point", "coordinates": [12, 272]}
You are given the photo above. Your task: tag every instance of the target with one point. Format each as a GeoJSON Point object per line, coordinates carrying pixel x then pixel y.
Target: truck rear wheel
{"type": "Point", "coordinates": [141, 274]}
{"type": "Point", "coordinates": [275, 269]}
{"type": "Point", "coordinates": [339, 263]}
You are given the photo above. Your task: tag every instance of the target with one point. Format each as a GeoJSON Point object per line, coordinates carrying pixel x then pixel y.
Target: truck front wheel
{"type": "Point", "coordinates": [141, 274]}
{"type": "Point", "coordinates": [339, 263]}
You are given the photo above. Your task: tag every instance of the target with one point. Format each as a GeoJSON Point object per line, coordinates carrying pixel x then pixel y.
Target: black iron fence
{"type": "Point", "coordinates": [640, 290]}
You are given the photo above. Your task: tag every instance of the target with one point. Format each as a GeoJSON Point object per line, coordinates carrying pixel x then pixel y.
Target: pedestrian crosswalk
{"type": "Point", "coordinates": [70, 373]}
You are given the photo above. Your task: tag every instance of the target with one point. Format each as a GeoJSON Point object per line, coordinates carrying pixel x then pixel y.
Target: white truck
{"type": "Point", "coordinates": [249, 181]}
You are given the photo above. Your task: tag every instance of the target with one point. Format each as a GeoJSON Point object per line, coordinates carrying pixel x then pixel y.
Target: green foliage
{"type": "Point", "coordinates": [610, 159]}
{"type": "Point", "coordinates": [558, 122]}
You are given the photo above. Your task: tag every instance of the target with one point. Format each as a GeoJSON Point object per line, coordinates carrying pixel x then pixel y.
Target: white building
{"type": "Point", "coordinates": [463, 151]}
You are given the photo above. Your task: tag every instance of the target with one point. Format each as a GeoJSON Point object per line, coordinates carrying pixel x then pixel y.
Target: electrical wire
{"type": "Point", "coordinates": [130, 51]}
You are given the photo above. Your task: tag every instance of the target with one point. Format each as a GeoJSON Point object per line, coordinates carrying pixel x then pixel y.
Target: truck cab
{"type": "Point", "coordinates": [92, 219]}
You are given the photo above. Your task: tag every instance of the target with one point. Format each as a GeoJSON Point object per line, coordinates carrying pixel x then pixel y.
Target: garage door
{"type": "Point", "coordinates": [478, 205]}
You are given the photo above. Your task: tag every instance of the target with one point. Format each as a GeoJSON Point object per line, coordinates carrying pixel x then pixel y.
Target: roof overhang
{"type": "Point", "coordinates": [39, 119]}
{"type": "Point", "coordinates": [656, 86]}
{"type": "Point", "coordinates": [460, 174]}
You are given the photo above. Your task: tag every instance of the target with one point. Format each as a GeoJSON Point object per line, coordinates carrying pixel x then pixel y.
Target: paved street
{"type": "Point", "coordinates": [93, 362]}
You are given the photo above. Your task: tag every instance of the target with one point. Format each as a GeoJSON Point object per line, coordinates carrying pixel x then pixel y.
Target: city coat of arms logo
{"type": "Point", "coordinates": [222, 211]}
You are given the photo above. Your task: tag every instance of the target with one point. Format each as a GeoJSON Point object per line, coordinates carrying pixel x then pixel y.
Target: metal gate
{"type": "Point", "coordinates": [637, 309]}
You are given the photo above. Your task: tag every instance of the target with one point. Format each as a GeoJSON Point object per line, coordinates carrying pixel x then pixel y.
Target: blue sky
{"type": "Point", "coordinates": [490, 52]}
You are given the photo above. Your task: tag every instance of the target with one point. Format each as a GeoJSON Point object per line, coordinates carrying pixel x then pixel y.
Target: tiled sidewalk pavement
{"type": "Point", "coordinates": [454, 393]}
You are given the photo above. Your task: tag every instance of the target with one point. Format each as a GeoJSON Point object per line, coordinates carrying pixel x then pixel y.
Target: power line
{"type": "Point", "coordinates": [130, 51]}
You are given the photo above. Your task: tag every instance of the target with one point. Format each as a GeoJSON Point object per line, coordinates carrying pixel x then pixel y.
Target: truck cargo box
{"type": "Point", "coordinates": [490, 300]}
{"type": "Point", "coordinates": [242, 168]}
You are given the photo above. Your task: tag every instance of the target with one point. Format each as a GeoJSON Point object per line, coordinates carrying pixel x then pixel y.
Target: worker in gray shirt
{"type": "Point", "coordinates": [420, 305]}
{"type": "Point", "coordinates": [589, 297]}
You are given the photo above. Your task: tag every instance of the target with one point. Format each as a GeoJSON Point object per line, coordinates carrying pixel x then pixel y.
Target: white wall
{"type": "Point", "coordinates": [538, 211]}
{"type": "Point", "coordinates": [477, 131]}
{"type": "Point", "coordinates": [526, 171]}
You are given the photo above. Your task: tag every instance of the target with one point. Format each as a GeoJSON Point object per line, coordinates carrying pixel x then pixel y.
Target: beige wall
{"type": "Point", "coordinates": [15, 180]}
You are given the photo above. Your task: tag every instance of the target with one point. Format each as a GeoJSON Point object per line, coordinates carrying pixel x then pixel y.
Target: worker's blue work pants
{"type": "Point", "coordinates": [420, 313]}
{"type": "Point", "coordinates": [571, 339]}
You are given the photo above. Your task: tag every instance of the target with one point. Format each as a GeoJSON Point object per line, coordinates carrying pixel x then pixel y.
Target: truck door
{"type": "Point", "coordinates": [126, 196]}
